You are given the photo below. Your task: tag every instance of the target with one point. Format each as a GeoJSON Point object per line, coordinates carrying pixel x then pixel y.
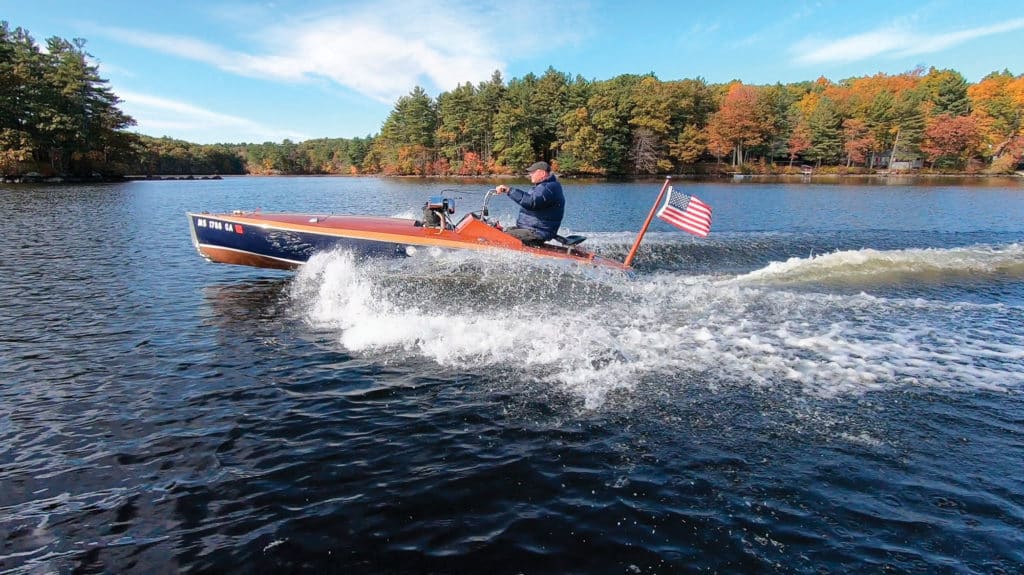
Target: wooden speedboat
{"type": "Point", "coordinates": [287, 240]}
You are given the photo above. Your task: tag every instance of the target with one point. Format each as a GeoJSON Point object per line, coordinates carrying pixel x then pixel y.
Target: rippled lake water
{"type": "Point", "coordinates": [831, 382]}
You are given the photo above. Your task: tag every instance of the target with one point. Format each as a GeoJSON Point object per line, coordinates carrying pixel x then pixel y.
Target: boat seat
{"type": "Point", "coordinates": [570, 241]}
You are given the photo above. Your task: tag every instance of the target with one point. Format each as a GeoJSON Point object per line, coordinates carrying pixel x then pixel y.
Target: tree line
{"type": "Point", "coordinates": [57, 115]}
{"type": "Point", "coordinates": [640, 125]}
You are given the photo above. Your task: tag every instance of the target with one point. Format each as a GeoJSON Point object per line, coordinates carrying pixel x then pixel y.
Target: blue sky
{"type": "Point", "coordinates": [235, 71]}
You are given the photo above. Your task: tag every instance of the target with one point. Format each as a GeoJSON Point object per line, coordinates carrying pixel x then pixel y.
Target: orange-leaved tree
{"type": "Point", "coordinates": [740, 121]}
{"type": "Point", "coordinates": [951, 141]}
{"type": "Point", "coordinates": [997, 104]}
{"type": "Point", "coordinates": [857, 141]}
{"type": "Point", "coordinates": [799, 141]}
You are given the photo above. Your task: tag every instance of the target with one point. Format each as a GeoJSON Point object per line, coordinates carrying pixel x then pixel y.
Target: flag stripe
{"type": "Point", "coordinates": [687, 226]}
{"type": "Point", "coordinates": [689, 214]}
{"type": "Point", "coordinates": [686, 213]}
{"type": "Point", "coordinates": [688, 223]}
{"type": "Point", "coordinates": [682, 218]}
{"type": "Point", "coordinates": [699, 206]}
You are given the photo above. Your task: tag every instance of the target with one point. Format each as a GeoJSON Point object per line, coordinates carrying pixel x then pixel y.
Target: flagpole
{"type": "Point", "coordinates": [647, 224]}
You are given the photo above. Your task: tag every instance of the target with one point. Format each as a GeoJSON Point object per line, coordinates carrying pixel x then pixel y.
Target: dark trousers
{"type": "Point", "coordinates": [528, 236]}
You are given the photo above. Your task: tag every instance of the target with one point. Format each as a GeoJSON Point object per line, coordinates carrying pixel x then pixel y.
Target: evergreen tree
{"type": "Point", "coordinates": [549, 101]}
{"type": "Point", "coordinates": [406, 142]}
{"type": "Point", "coordinates": [947, 92]}
{"type": "Point", "coordinates": [489, 96]}
{"type": "Point", "coordinates": [881, 120]}
{"type": "Point", "coordinates": [80, 114]}
{"type": "Point", "coordinates": [580, 151]}
{"type": "Point", "coordinates": [776, 103]}
{"type": "Point", "coordinates": [826, 134]}
{"type": "Point", "coordinates": [651, 114]}
{"type": "Point", "coordinates": [611, 107]}
{"type": "Point", "coordinates": [515, 125]}
{"type": "Point", "coordinates": [56, 111]}
{"type": "Point", "coordinates": [21, 87]}
{"type": "Point", "coordinates": [454, 135]}
{"type": "Point", "coordinates": [910, 124]}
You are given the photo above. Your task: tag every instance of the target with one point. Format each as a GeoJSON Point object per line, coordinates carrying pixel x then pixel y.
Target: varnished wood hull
{"type": "Point", "coordinates": [287, 240]}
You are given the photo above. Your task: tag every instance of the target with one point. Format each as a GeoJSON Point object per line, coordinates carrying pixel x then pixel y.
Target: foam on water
{"type": "Point", "coordinates": [591, 333]}
{"type": "Point", "coordinates": [886, 265]}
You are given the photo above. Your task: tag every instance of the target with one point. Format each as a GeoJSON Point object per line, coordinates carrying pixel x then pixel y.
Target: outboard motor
{"type": "Point", "coordinates": [436, 211]}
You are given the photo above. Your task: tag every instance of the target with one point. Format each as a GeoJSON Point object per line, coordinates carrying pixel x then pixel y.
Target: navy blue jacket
{"type": "Point", "coordinates": [542, 207]}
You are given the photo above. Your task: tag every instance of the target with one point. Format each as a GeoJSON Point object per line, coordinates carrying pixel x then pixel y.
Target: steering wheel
{"type": "Point", "coordinates": [483, 214]}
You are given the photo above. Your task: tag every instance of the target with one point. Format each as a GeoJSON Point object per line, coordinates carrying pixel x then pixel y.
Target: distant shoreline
{"type": "Point", "coordinates": [795, 178]}
{"type": "Point", "coordinates": [879, 175]}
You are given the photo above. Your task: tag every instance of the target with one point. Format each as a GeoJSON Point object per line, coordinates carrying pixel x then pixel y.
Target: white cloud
{"type": "Point", "coordinates": [162, 116]}
{"type": "Point", "coordinates": [182, 46]}
{"type": "Point", "coordinates": [383, 49]}
{"type": "Point", "coordinates": [893, 41]}
{"type": "Point", "coordinates": [107, 70]}
{"type": "Point", "coordinates": [925, 45]}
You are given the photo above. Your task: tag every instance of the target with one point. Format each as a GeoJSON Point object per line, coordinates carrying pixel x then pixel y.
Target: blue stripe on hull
{"type": "Point", "coordinates": [284, 244]}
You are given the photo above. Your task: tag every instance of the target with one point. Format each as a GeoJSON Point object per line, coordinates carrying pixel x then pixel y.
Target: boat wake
{"type": "Point", "coordinates": [882, 266]}
{"type": "Point", "coordinates": [593, 333]}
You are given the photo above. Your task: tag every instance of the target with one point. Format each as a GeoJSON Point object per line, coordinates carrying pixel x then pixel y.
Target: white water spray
{"type": "Point", "coordinates": [592, 335]}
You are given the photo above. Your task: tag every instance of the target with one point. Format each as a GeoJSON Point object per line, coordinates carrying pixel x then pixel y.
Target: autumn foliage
{"type": "Point", "coordinates": [642, 125]}
{"type": "Point", "coordinates": [952, 139]}
{"type": "Point", "coordinates": [739, 123]}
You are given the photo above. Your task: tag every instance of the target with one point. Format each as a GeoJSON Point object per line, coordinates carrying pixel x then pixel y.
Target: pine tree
{"type": "Point", "coordinates": [947, 92]}
{"type": "Point", "coordinates": [826, 140]}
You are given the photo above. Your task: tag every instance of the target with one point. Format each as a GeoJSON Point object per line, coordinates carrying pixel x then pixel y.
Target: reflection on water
{"type": "Point", "coordinates": [240, 305]}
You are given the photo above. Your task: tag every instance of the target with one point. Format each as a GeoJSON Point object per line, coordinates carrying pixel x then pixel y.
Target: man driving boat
{"type": "Point", "coordinates": [541, 208]}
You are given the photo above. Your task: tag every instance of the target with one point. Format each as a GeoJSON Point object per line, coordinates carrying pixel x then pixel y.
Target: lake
{"type": "Point", "coordinates": [831, 382]}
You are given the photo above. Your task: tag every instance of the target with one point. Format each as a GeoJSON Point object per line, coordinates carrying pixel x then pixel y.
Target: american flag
{"type": "Point", "coordinates": [686, 213]}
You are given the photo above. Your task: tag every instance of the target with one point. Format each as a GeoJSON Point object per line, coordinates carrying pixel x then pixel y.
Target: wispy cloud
{"type": "Point", "coordinates": [780, 27]}
{"type": "Point", "coordinates": [156, 115]}
{"type": "Point", "coordinates": [892, 41]}
{"type": "Point", "coordinates": [379, 50]}
{"type": "Point", "coordinates": [703, 29]}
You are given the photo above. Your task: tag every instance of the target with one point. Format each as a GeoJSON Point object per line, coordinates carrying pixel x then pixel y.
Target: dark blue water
{"type": "Point", "coordinates": [830, 383]}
